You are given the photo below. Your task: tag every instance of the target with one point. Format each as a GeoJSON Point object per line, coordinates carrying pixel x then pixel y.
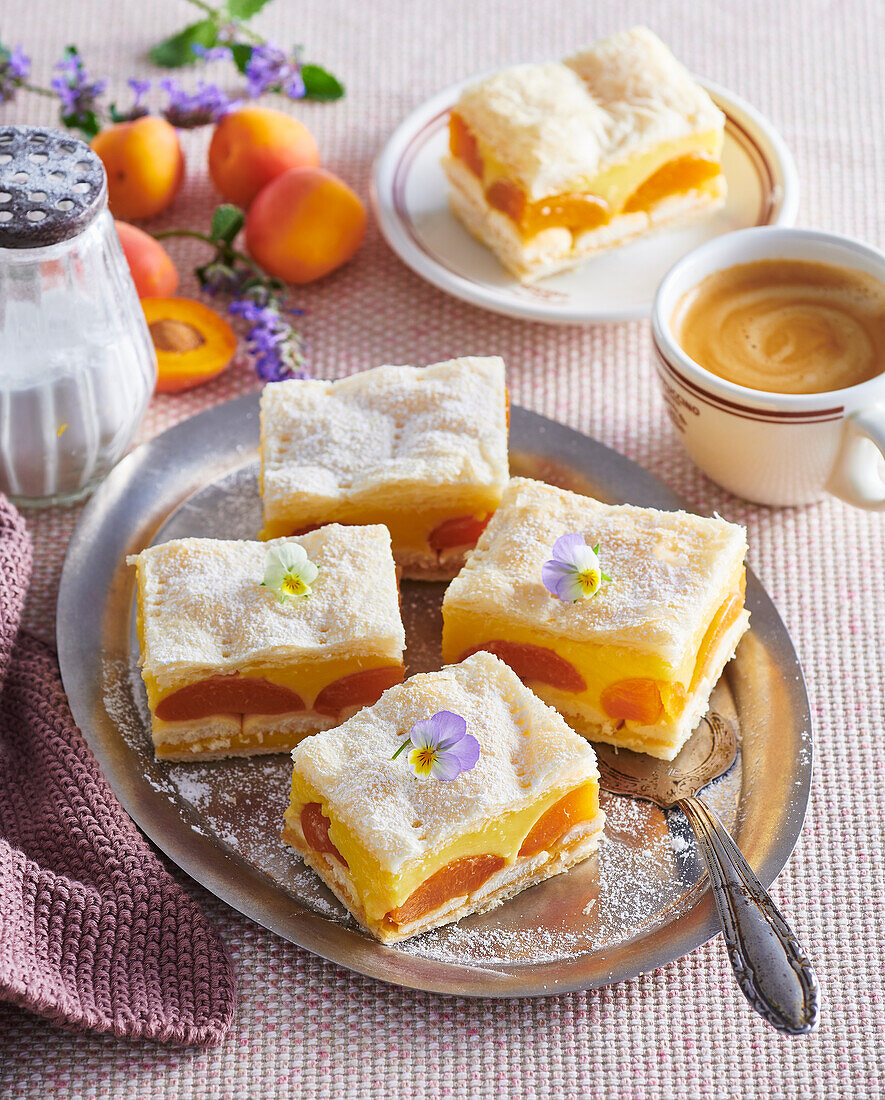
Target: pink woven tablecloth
{"type": "Point", "coordinates": [307, 1028]}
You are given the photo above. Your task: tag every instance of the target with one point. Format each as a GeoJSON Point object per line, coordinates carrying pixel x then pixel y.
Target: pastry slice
{"type": "Point", "coordinates": [406, 854]}
{"type": "Point", "coordinates": [422, 450]}
{"type": "Point", "coordinates": [551, 163]}
{"type": "Point", "coordinates": [635, 663]}
{"type": "Point", "coordinates": [231, 669]}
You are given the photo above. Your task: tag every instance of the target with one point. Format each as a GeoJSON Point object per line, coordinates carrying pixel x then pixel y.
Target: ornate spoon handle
{"type": "Point", "coordinates": [768, 961]}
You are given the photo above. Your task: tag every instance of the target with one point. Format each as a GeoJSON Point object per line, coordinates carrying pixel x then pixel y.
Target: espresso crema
{"type": "Point", "coordinates": [786, 326]}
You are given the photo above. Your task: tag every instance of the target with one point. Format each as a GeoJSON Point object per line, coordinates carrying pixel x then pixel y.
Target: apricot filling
{"type": "Point", "coordinates": [448, 535]}
{"type": "Point", "coordinates": [577, 211]}
{"type": "Point", "coordinates": [315, 826]}
{"type": "Point", "coordinates": [245, 695]}
{"type": "Point", "coordinates": [457, 879]}
{"type": "Point", "coordinates": [637, 700]}
{"type": "Point", "coordinates": [233, 694]}
{"type": "Point", "coordinates": [533, 662]}
{"type": "Point", "coordinates": [581, 804]}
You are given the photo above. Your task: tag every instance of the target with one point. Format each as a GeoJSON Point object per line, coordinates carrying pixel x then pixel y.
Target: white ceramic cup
{"type": "Point", "coordinates": [773, 448]}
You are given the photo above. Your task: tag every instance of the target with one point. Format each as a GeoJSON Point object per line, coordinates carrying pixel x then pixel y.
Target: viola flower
{"type": "Point", "coordinates": [77, 92]}
{"type": "Point", "coordinates": [187, 109]}
{"type": "Point", "coordinates": [573, 573]}
{"type": "Point", "coordinates": [274, 345]}
{"type": "Point", "coordinates": [441, 747]}
{"type": "Point", "coordinates": [15, 67]}
{"type": "Point", "coordinates": [289, 571]}
{"type": "Point", "coordinates": [269, 69]}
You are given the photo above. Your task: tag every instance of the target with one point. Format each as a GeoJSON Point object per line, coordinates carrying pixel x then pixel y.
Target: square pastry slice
{"type": "Point", "coordinates": [231, 669]}
{"type": "Point", "coordinates": [551, 163]}
{"type": "Point", "coordinates": [406, 854]}
{"type": "Point", "coordinates": [422, 450]}
{"type": "Point", "coordinates": [635, 663]}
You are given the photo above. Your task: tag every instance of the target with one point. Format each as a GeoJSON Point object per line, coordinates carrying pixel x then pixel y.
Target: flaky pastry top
{"type": "Point", "coordinates": [554, 127]}
{"type": "Point", "coordinates": [204, 610]}
{"type": "Point", "coordinates": [385, 435]}
{"type": "Point", "coordinates": [670, 571]}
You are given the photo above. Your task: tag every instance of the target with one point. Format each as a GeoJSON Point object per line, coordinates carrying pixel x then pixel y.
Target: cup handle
{"type": "Point", "coordinates": [855, 478]}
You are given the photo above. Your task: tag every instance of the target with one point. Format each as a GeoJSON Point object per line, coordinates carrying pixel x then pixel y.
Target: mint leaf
{"type": "Point", "coordinates": [244, 9]}
{"type": "Point", "coordinates": [242, 52]}
{"type": "Point", "coordinates": [178, 50]}
{"type": "Point", "coordinates": [320, 84]}
{"type": "Point", "coordinates": [227, 221]}
{"type": "Point", "coordinates": [86, 122]}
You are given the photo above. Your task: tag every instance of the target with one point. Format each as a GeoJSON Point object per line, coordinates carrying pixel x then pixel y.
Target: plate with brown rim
{"type": "Point", "coordinates": [642, 902]}
{"type": "Point", "coordinates": [409, 196]}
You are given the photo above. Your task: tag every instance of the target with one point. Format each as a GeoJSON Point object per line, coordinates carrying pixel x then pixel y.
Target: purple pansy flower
{"type": "Point", "coordinates": [269, 69]}
{"type": "Point", "coordinates": [273, 344]}
{"type": "Point", "coordinates": [15, 66]}
{"type": "Point", "coordinates": [187, 109]}
{"type": "Point", "coordinates": [77, 92]}
{"type": "Point", "coordinates": [441, 747]}
{"type": "Point", "coordinates": [573, 573]}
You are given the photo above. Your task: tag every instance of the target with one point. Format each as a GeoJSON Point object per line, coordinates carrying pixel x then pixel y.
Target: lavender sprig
{"type": "Point", "coordinates": [78, 93]}
{"type": "Point", "coordinates": [275, 347]}
{"type": "Point", "coordinates": [187, 109]}
{"type": "Point", "coordinates": [15, 67]}
{"type": "Point", "coordinates": [270, 70]}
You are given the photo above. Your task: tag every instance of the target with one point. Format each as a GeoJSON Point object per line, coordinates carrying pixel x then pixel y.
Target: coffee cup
{"type": "Point", "coordinates": [772, 448]}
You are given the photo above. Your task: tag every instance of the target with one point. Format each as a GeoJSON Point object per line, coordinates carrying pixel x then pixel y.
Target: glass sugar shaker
{"type": "Point", "coordinates": [77, 365]}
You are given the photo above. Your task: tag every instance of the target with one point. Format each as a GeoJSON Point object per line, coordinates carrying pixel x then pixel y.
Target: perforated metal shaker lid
{"type": "Point", "coordinates": [52, 185]}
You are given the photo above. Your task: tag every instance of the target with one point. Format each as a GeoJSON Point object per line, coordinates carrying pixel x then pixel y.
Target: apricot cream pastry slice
{"type": "Point", "coordinates": [622, 618]}
{"type": "Point", "coordinates": [551, 163]}
{"type": "Point", "coordinates": [456, 790]}
{"type": "Point", "coordinates": [246, 647]}
{"type": "Point", "coordinates": [422, 450]}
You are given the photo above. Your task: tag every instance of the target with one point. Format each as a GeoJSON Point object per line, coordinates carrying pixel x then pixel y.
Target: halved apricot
{"type": "Point", "coordinates": [533, 662]}
{"type": "Point", "coordinates": [637, 700]}
{"type": "Point", "coordinates": [359, 689]}
{"type": "Point", "coordinates": [581, 804]}
{"type": "Point", "coordinates": [233, 694]}
{"type": "Point", "coordinates": [457, 531]}
{"type": "Point", "coordinates": [457, 879]}
{"type": "Point", "coordinates": [462, 144]}
{"type": "Point", "coordinates": [673, 178]}
{"type": "Point", "coordinates": [193, 342]}
{"type": "Point", "coordinates": [315, 826]}
{"type": "Point", "coordinates": [574, 212]}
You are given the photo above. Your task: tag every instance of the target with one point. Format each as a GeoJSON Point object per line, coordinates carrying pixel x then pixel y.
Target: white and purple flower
{"type": "Point", "coordinates": [441, 747]}
{"type": "Point", "coordinates": [573, 572]}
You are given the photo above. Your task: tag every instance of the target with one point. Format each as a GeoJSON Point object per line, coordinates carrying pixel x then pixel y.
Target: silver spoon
{"type": "Point", "coordinates": [769, 963]}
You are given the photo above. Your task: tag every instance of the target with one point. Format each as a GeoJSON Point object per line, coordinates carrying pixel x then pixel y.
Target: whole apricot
{"type": "Point", "coordinates": [254, 145]}
{"type": "Point", "coordinates": [153, 272]}
{"type": "Point", "coordinates": [144, 163]}
{"type": "Point", "coordinates": [304, 224]}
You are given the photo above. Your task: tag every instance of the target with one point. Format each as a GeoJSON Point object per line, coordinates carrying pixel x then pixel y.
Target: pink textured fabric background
{"type": "Point", "coordinates": [308, 1028]}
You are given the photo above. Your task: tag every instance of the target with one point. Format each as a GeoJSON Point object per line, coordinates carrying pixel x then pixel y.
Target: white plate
{"type": "Point", "coordinates": [409, 198]}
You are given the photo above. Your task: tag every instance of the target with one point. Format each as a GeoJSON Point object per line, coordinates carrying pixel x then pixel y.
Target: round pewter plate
{"type": "Point", "coordinates": [640, 903]}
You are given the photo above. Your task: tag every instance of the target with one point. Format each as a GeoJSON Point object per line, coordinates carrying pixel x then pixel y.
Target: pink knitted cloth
{"type": "Point", "coordinates": [94, 933]}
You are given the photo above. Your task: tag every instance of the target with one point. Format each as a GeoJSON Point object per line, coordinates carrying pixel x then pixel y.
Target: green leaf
{"type": "Point", "coordinates": [242, 10]}
{"type": "Point", "coordinates": [85, 121]}
{"type": "Point", "coordinates": [227, 221]}
{"type": "Point", "coordinates": [178, 50]}
{"type": "Point", "coordinates": [242, 52]}
{"type": "Point", "coordinates": [320, 84]}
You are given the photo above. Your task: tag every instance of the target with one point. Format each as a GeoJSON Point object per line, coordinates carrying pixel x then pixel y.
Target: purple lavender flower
{"type": "Point", "coordinates": [141, 89]}
{"type": "Point", "coordinates": [274, 345]}
{"type": "Point", "coordinates": [269, 69]}
{"type": "Point", "coordinates": [212, 53]}
{"type": "Point", "coordinates": [441, 747]}
{"type": "Point", "coordinates": [77, 92]}
{"type": "Point", "coordinates": [15, 67]}
{"type": "Point", "coordinates": [206, 103]}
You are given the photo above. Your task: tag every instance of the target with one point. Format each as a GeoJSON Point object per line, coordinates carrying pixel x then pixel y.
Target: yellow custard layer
{"type": "Point", "coordinates": [381, 891]}
{"type": "Point", "coordinates": [409, 526]}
